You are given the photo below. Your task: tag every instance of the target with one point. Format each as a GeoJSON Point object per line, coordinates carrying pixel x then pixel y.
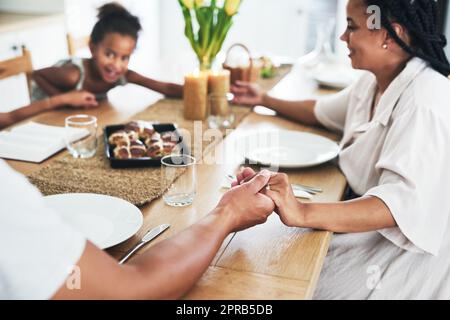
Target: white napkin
{"type": "Point", "coordinates": [298, 193]}
{"type": "Point", "coordinates": [34, 142]}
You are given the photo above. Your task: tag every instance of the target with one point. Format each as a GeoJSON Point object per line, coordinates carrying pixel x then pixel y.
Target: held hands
{"type": "Point", "coordinates": [245, 205]}
{"type": "Point", "coordinates": [279, 190]}
{"type": "Point", "coordinates": [80, 99]}
{"type": "Point", "coordinates": [247, 94]}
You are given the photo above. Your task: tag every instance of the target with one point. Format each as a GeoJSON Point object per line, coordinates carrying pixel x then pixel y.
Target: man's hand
{"type": "Point", "coordinates": [279, 189]}
{"type": "Point", "coordinates": [245, 205]}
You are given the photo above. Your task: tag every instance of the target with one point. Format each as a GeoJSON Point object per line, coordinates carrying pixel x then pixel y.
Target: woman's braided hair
{"type": "Point", "coordinates": [420, 18]}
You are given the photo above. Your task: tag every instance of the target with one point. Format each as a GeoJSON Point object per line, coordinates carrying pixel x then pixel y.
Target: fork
{"type": "Point", "coordinates": [296, 186]}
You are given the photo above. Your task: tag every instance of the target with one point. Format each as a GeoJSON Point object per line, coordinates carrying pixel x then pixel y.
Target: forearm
{"type": "Point", "coordinates": [169, 269]}
{"type": "Point", "coordinates": [301, 111]}
{"type": "Point", "coordinates": [166, 88]}
{"type": "Point", "coordinates": [7, 119]}
{"type": "Point", "coordinates": [361, 215]}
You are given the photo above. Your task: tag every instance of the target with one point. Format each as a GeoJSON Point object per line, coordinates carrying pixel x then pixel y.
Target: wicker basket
{"type": "Point", "coordinates": [251, 73]}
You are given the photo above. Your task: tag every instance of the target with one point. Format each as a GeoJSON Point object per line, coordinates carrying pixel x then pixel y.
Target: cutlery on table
{"type": "Point", "coordinates": [150, 236]}
{"type": "Point", "coordinates": [302, 194]}
{"type": "Point", "coordinates": [295, 186]}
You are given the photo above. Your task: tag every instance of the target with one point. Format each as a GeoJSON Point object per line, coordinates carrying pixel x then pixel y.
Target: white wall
{"type": "Point", "coordinates": [263, 25]}
{"type": "Point", "coordinates": [32, 6]}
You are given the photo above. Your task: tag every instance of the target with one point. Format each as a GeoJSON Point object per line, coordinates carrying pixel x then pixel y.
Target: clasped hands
{"type": "Point", "coordinates": [254, 197]}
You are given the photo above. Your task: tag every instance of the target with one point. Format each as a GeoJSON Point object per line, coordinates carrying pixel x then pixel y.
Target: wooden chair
{"type": "Point", "coordinates": [16, 66]}
{"type": "Point", "coordinates": [76, 44]}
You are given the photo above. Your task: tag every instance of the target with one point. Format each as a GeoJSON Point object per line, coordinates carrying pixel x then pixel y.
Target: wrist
{"type": "Point", "coordinates": [55, 102]}
{"type": "Point", "coordinates": [265, 100]}
{"type": "Point", "coordinates": [225, 219]}
{"type": "Point", "coordinates": [304, 218]}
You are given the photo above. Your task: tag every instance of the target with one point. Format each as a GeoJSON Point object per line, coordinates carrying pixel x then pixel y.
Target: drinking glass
{"type": "Point", "coordinates": [220, 113]}
{"type": "Point", "coordinates": [178, 174]}
{"type": "Point", "coordinates": [81, 136]}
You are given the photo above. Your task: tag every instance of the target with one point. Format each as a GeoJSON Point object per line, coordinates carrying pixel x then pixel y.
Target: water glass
{"type": "Point", "coordinates": [81, 136]}
{"type": "Point", "coordinates": [178, 173]}
{"type": "Point", "coordinates": [220, 113]}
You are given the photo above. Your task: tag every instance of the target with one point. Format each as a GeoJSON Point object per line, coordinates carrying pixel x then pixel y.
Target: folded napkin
{"type": "Point", "coordinates": [34, 142]}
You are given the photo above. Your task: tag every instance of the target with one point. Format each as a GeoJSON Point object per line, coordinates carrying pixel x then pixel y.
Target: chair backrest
{"type": "Point", "coordinates": [76, 44]}
{"type": "Point", "coordinates": [18, 65]}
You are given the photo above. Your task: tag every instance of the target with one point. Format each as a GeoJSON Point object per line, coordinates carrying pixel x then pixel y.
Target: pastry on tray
{"type": "Point", "coordinates": [140, 140]}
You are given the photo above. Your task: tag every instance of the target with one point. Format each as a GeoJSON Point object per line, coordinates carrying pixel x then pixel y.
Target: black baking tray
{"type": "Point", "coordinates": [141, 162]}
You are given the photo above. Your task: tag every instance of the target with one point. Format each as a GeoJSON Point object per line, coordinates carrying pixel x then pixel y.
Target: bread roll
{"type": "Point", "coordinates": [147, 132]}
{"type": "Point", "coordinates": [169, 137]}
{"type": "Point", "coordinates": [137, 149]}
{"type": "Point", "coordinates": [155, 138]}
{"type": "Point", "coordinates": [119, 138]}
{"type": "Point", "coordinates": [122, 153]}
{"type": "Point", "coordinates": [155, 150]}
{"type": "Point", "coordinates": [168, 148]}
{"type": "Point", "coordinates": [132, 135]}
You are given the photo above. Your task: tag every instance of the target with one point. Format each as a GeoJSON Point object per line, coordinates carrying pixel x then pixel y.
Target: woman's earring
{"type": "Point", "coordinates": [385, 46]}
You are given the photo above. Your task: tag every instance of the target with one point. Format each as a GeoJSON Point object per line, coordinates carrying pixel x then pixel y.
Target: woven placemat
{"type": "Point", "coordinates": [138, 186]}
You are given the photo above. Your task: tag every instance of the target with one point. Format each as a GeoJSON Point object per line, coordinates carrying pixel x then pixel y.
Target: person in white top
{"type": "Point", "coordinates": [393, 229]}
{"type": "Point", "coordinates": [39, 252]}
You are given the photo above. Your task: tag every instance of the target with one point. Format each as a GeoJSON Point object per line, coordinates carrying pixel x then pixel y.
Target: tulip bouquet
{"type": "Point", "coordinates": [207, 26]}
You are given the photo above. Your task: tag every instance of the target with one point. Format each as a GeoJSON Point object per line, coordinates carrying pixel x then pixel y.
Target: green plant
{"type": "Point", "coordinates": [207, 26]}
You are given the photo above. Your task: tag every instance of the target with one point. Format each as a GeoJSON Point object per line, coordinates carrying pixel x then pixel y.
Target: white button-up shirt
{"type": "Point", "coordinates": [402, 155]}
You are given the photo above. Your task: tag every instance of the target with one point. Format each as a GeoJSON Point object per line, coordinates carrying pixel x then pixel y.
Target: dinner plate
{"type": "Point", "coordinates": [289, 149]}
{"type": "Point", "coordinates": [335, 76]}
{"type": "Point", "coordinates": [338, 81]}
{"type": "Point", "coordinates": [106, 221]}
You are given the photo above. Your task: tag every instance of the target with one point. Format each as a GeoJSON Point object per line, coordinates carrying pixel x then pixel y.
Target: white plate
{"type": "Point", "coordinates": [335, 76]}
{"type": "Point", "coordinates": [289, 149]}
{"type": "Point", "coordinates": [337, 81]}
{"type": "Point", "coordinates": [105, 221]}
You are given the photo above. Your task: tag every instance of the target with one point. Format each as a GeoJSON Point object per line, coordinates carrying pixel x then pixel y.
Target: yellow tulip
{"type": "Point", "coordinates": [188, 3]}
{"type": "Point", "coordinates": [199, 3]}
{"type": "Point", "coordinates": [232, 6]}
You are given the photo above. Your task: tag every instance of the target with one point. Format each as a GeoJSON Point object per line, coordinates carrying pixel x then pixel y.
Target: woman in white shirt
{"type": "Point", "coordinates": [393, 236]}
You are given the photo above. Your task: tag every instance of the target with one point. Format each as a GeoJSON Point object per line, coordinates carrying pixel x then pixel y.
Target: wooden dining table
{"type": "Point", "coordinates": [268, 262]}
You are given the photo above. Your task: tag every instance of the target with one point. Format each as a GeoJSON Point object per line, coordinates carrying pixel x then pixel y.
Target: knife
{"type": "Point", "coordinates": [150, 236]}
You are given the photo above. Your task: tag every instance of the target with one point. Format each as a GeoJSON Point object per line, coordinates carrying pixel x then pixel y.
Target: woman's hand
{"type": "Point", "coordinates": [79, 99]}
{"type": "Point", "coordinates": [290, 210]}
{"type": "Point", "coordinates": [247, 94]}
{"type": "Point", "coordinates": [246, 205]}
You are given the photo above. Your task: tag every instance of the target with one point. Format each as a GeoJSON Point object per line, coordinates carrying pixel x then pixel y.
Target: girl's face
{"type": "Point", "coordinates": [112, 56]}
{"type": "Point", "coordinates": [365, 45]}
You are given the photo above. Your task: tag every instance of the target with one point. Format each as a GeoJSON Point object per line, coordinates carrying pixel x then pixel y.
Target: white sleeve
{"type": "Point", "coordinates": [331, 111]}
{"type": "Point", "coordinates": [38, 248]}
{"type": "Point", "coordinates": [415, 179]}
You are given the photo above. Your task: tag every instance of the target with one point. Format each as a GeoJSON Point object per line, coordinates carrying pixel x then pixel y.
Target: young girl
{"type": "Point", "coordinates": [112, 42]}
